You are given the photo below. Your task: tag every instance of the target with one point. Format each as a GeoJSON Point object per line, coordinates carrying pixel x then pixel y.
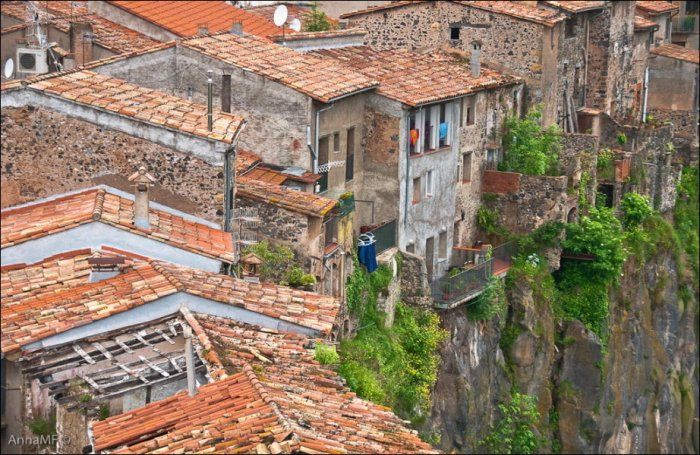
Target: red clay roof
{"type": "Point", "coordinates": [413, 78]}
{"type": "Point", "coordinates": [48, 217]}
{"type": "Point", "coordinates": [677, 52]}
{"type": "Point", "coordinates": [656, 7]}
{"type": "Point", "coordinates": [321, 79]}
{"type": "Point", "coordinates": [293, 12]}
{"type": "Point", "coordinates": [318, 35]}
{"type": "Point", "coordinates": [51, 308]}
{"type": "Point", "coordinates": [183, 18]}
{"type": "Point", "coordinates": [246, 160]}
{"type": "Point", "coordinates": [287, 198]}
{"type": "Point", "coordinates": [577, 6]}
{"type": "Point", "coordinates": [144, 104]}
{"type": "Point", "coordinates": [316, 410]}
{"type": "Point", "coordinates": [517, 9]}
{"type": "Point", "coordinates": [641, 23]}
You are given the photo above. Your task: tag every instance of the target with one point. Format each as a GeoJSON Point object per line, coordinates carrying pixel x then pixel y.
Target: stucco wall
{"type": "Point", "coordinates": [129, 20]}
{"type": "Point", "coordinates": [673, 84]}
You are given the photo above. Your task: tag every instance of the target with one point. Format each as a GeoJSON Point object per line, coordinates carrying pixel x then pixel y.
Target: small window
{"type": "Point", "coordinates": [416, 190]}
{"type": "Point", "coordinates": [323, 159]}
{"type": "Point", "coordinates": [668, 29]}
{"type": "Point", "coordinates": [570, 28]}
{"type": "Point", "coordinates": [427, 131]}
{"type": "Point", "coordinates": [331, 231]}
{"type": "Point", "coordinates": [491, 158]}
{"type": "Point", "coordinates": [651, 39]}
{"type": "Point", "coordinates": [350, 156]}
{"type": "Point", "coordinates": [454, 33]}
{"type": "Point", "coordinates": [469, 106]}
{"type": "Point", "coordinates": [455, 233]}
{"type": "Point", "coordinates": [336, 142]}
{"type": "Point", "coordinates": [429, 184]}
{"type": "Point", "coordinates": [467, 167]}
{"type": "Point", "coordinates": [413, 134]}
{"type": "Point", "coordinates": [442, 245]}
{"type": "Point", "coordinates": [411, 248]}
{"type": "Point", "coordinates": [443, 126]}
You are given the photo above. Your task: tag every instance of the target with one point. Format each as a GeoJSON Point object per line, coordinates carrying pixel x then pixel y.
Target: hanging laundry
{"type": "Point", "coordinates": [414, 136]}
{"type": "Point", "coordinates": [367, 252]}
{"type": "Point", "coordinates": [443, 130]}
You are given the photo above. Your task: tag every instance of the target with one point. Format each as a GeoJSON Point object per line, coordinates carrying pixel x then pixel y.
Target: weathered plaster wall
{"type": "Point", "coordinates": [129, 20]}
{"type": "Point", "coordinates": [45, 152]}
{"type": "Point", "coordinates": [673, 84]}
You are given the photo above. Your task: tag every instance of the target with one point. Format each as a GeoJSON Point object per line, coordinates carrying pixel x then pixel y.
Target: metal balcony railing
{"type": "Point", "coordinates": [385, 235]}
{"type": "Point", "coordinates": [685, 24]}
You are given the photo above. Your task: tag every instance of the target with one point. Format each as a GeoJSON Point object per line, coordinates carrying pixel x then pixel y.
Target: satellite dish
{"type": "Point", "coordinates": [280, 15]}
{"type": "Point", "coordinates": [295, 25]}
{"type": "Point", "coordinates": [9, 68]}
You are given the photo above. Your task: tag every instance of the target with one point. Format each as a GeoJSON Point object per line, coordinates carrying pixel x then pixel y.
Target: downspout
{"type": "Point", "coordinates": [646, 94]}
{"type": "Point", "coordinates": [407, 122]}
{"type": "Point", "coordinates": [314, 152]}
{"type": "Point", "coordinates": [229, 178]}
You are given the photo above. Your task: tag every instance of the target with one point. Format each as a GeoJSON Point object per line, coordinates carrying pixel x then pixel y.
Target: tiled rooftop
{"type": "Point", "coordinates": [319, 35]}
{"type": "Point", "coordinates": [246, 160]}
{"type": "Point", "coordinates": [314, 408]}
{"type": "Point", "coordinates": [577, 6]}
{"type": "Point", "coordinates": [656, 7]}
{"type": "Point", "coordinates": [321, 79]}
{"type": "Point", "coordinates": [36, 305]}
{"type": "Point", "coordinates": [641, 23]}
{"type": "Point", "coordinates": [184, 17]}
{"type": "Point", "coordinates": [106, 33]}
{"type": "Point", "coordinates": [296, 201]}
{"type": "Point", "coordinates": [677, 52]}
{"type": "Point", "coordinates": [45, 218]}
{"type": "Point", "coordinates": [293, 12]}
{"type": "Point", "coordinates": [413, 78]}
{"type": "Point", "coordinates": [517, 9]}
{"type": "Point", "coordinates": [144, 104]}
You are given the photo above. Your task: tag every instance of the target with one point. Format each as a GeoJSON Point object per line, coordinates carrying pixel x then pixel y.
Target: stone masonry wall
{"type": "Point", "coordinates": [45, 153]}
{"type": "Point", "coordinates": [414, 280]}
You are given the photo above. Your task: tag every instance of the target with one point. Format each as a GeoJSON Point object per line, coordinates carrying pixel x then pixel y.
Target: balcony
{"type": "Point", "coordinates": [452, 291]}
{"type": "Point", "coordinates": [685, 24]}
{"type": "Point", "coordinates": [384, 234]}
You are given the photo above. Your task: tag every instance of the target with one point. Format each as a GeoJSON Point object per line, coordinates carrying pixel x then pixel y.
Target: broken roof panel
{"type": "Point", "coordinates": [316, 410]}
{"type": "Point", "coordinates": [36, 220]}
{"type": "Point", "coordinates": [415, 79]}
{"type": "Point", "coordinates": [143, 104]}
{"type": "Point", "coordinates": [296, 201]}
{"type": "Point", "coordinates": [183, 18]}
{"type": "Point", "coordinates": [322, 79]}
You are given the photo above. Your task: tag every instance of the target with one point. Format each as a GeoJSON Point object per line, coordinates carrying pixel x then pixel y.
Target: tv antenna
{"type": "Point", "coordinates": [9, 68]}
{"type": "Point", "coordinates": [280, 17]}
{"type": "Point", "coordinates": [295, 25]}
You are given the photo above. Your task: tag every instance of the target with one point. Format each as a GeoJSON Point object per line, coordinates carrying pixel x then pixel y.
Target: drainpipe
{"type": "Point", "coordinates": [646, 94]}
{"type": "Point", "coordinates": [408, 165]}
{"type": "Point", "coordinates": [229, 178]}
{"type": "Point", "coordinates": [314, 153]}
{"type": "Point", "coordinates": [210, 116]}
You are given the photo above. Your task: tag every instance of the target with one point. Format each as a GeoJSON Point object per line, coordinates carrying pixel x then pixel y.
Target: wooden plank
{"type": "Point", "coordinates": [154, 366]}
{"type": "Point", "coordinates": [166, 337]}
{"type": "Point", "coordinates": [92, 383]}
{"type": "Point", "coordinates": [123, 345]}
{"type": "Point", "coordinates": [83, 354]}
{"type": "Point", "coordinates": [103, 350]}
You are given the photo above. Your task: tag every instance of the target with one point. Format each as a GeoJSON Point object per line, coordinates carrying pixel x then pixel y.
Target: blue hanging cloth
{"type": "Point", "coordinates": [443, 130]}
{"type": "Point", "coordinates": [367, 253]}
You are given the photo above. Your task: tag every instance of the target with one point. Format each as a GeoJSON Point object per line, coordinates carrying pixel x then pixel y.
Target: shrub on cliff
{"type": "Point", "coordinates": [515, 431]}
{"type": "Point", "coordinates": [529, 148]}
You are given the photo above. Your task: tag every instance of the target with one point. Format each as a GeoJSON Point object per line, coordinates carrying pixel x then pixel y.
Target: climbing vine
{"type": "Point", "coordinates": [515, 431]}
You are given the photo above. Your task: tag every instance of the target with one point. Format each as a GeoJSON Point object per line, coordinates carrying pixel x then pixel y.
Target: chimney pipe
{"type": "Point", "coordinates": [226, 93]}
{"type": "Point", "coordinates": [209, 100]}
{"type": "Point", "coordinates": [189, 361]}
{"type": "Point", "coordinates": [475, 59]}
{"type": "Point", "coordinates": [142, 182]}
{"type": "Point", "coordinates": [237, 28]}
{"type": "Point", "coordinates": [80, 34]}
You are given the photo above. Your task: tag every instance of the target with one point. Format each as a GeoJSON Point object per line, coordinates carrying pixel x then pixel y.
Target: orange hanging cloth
{"type": "Point", "coordinates": [414, 137]}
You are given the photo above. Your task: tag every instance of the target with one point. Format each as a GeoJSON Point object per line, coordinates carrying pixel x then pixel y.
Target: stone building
{"type": "Point", "coordinates": [426, 143]}
{"type": "Point", "coordinates": [71, 36]}
{"type": "Point", "coordinates": [686, 24]}
{"type": "Point", "coordinates": [660, 12]}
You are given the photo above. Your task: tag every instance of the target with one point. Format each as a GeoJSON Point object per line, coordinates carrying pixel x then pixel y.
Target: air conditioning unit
{"type": "Point", "coordinates": [32, 61]}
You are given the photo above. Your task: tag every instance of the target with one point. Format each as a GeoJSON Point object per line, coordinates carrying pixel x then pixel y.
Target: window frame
{"type": "Point", "coordinates": [442, 245]}
{"type": "Point", "coordinates": [429, 184]}
{"type": "Point", "coordinates": [417, 193]}
{"type": "Point", "coordinates": [467, 159]}
{"type": "Point", "coordinates": [350, 154]}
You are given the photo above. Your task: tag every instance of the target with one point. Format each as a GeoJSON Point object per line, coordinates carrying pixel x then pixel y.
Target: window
{"type": "Point", "coordinates": [331, 230]}
{"type": "Point", "coordinates": [467, 167]}
{"type": "Point", "coordinates": [469, 105]}
{"type": "Point", "coordinates": [668, 29]}
{"type": "Point", "coordinates": [336, 142]}
{"type": "Point", "coordinates": [454, 33]}
{"type": "Point", "coordinates": [427, 131]}
{"type": "Point", "coordinates": [570, 28]}
{"type": "Point", "coordinates": [692, 8]}
{"type": "Point", "coordinates": [323, 159]}
{"type": "Point", "coordinates": [455, 233]}
{"type": "Point", "coordinates": [411, 248]}
{"type": "Point", "coordinates": [429, 184]}
{"type": "Point", "coordinates": [442, 245]}
{"type": "Point", "coordinates": [516, 99]}
{"type": "Point", "coordinates": [444, 124]}
{"type": "Point", "coordinates": [350, 156]}
{"type": "Point", "coordinates": [416, 190]}
{"type": "Point", "coordinates": [491, 158]}
{"type": "Point", "coordinates": [651, 39]}
{"type": "Point", "coordinates": [413, 134]}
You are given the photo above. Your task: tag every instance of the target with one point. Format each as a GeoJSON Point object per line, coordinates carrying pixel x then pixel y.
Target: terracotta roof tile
{"type": "Point", "coordinates": [317, 35]}
{"type": "Point", "coordinates": [287, 198]}
{"type": "Point", "coordinates": [183, 18]}
{"type": "Point", "coordinates": [577, 6]}
{"type": "Point", "coordinates": [293, 12]}
{"type": "Point", "coordinates": [53, 296]}
{"type": "Point", "coordinates": [39, 220]}
{"type": "Point", "coordinates": [677, 52]}
{"type": "Point", "coordinates": [312, 407]}
{"type": "Point", "coordinates": [413, 78]}
{"type": "Point", "coordinates": [321, 79]}
{"type": "Point", "coordinates": [656, 7]}
{"type": "Point", "coordinates": [246, 160]}
{"type": "Point", "coordinates": [641, 23]}
{"type": "Point", "coordinates": [151, 106]}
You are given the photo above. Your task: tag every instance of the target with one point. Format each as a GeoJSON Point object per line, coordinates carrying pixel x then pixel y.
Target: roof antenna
{"type": "Point", "coordinates": [280, 18]}
{"type": "Point", "coordinates": [209, 100]}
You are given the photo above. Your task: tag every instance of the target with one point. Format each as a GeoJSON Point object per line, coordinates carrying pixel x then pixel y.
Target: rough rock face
{"type": "Point", "coordinates": [637, 395]}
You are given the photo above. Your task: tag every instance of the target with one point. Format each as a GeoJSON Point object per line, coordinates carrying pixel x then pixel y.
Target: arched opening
{"type": "Point", "coordinates": [572, 217]}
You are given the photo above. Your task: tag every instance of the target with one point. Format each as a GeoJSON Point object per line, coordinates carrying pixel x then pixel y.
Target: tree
{"type": "Point", "coordinates": [515, 431]}
{"type": "Point", "coordinates": [529, 148]}
{"type": "Point", "coordinates": [317, 21]}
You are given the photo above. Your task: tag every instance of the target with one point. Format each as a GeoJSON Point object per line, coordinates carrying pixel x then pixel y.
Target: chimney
{"type": "Point", "coordinates": [142, 182]}
{"type": "Point", "coordinates": [202, 29]}
{"type": "Point", "coordinates": [237, 28]}
{"type": "Point", "coordinates": [103, 267]}
{"type": "Point", "coordinates": [81, 42]}
{"type": "Point", "coordinates": [475, 59]}
{"type": "Point", "coordinates": [189, 361]}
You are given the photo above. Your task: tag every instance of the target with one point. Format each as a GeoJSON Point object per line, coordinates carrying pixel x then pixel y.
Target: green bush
{"type": "Point", "coordinates": [488, 220]}
{"type": "Point", "coordinates": [635, 209]}
{"type": "Point", "coordinates": [43, 427]}
{"type": "Point", "coordinates": [491, 302]}
{"type": "Point", "coordinates": [529, 148]}
{"type": "Point", "coordinates": [317, 21]}
{"type": "Point", "coordinates": [326, 355]}
{"type": "Point", "coordinates": [686, 214]}
{"type": "Point", "coordinates": [515, 431]}
{"type": "Point", "coordinates": [279, 265]}
{"type": "Point", "coordinates": [605, 167]}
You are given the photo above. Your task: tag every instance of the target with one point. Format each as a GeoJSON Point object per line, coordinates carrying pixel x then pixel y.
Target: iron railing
{"type": "Point", "coordinates": [685, 24]}
{"type": "Point", "coordinates": [385, 235]}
